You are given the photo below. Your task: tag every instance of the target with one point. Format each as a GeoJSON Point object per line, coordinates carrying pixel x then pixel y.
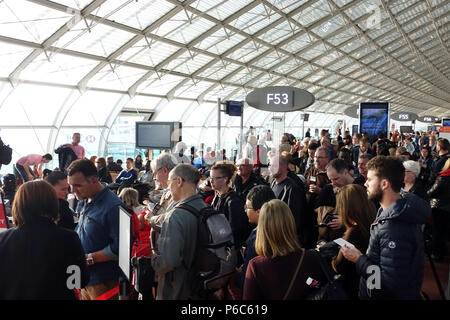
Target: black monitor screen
{"type": "Point", "coordinates": [234, 108]}
{"type": "Point", "coordinates": [406, 129]}
{"type": "Point", "coordinates": [446, 122]}
{"type": "Point", "coordinates": [374, 119]}
{"type": "Point", "coordinates": [154, 135]}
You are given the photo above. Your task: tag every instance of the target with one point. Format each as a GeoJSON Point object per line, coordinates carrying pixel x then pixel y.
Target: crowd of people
{"type": "Point", "coordinates": [285, 208]}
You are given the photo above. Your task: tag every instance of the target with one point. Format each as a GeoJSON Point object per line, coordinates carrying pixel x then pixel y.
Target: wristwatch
{"type": "Point", "coordinates": [90, 259]}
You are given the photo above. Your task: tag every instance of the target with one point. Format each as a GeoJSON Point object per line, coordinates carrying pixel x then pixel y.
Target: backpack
{"type": "Point", "coordinates": [215, 257]}
{"type": "Point", "coordinates": [5, 153]}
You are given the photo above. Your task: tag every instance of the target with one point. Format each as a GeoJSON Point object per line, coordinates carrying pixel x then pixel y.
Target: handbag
{"type": "Point", "coordinates": [332, 290]}
{"type": "Point", "coordinates": [294, 277]}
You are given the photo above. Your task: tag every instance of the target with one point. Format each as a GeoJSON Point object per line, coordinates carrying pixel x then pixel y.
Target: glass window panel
{"type": "Point", "coordinates": [188, 63]}
{"type": "Point", "coordinates": [31, 104]}
{"type": "Point", "coordinates": [102, 40]}
{"type": "Point", "coordinates": [313, 13]}
{"type": "Point", "coordinates": [114, 76]}
{"type": "Point", "coordinates": [148, 52]}
{"type": "Point", "coordinates": [190, 30]}
{"type": "Point", "coordinates": [353, 45]}
{"type": "Point", "coordinates": [279, 32]}
{"type": "Point", "coordinates": [219, 70]}
{"type": "Point", "coordinates": [245, 75]}
{"type": "Point", "coordinates": [220, 41]}
{"type": "Point", "coordinates": [341, 37]}
{"type": "Point", "coordinates": [28, 21]}
{"type": "Point", "coordinates": [329, 26]}
{"type": "Point", "coordinates": [221, 10]}
{"type": "Point", "coordinates": [59, 68]}
{"type": "Point", "coordinates": [36, 142]}
{"type": "Point", "coordinates": [93, 108]}
{"type": "Point", "coordinates": [160, 85]}
{"type": "Point", "coordinates": [143, 102]}
{"type": "Point", "coordinates": [327, 59]}
{"type": "Point", "coordinates": [137, 14]}
{"type": "Point", "coordinates": [219, 92]}
{"type": "Point", "coordinates": [287, 5]}
{"type": "Point", "coordinates": [255, 19]}
{"type": "Point", "coordinates": [248, 51]}
{"type": "Point", "coordinates": [193, 89]}
{"type": "Point", "coordinates": [300, 42]}
{"type": "Point", "coordinates": [201, 112]}
{"type": "Point", "coordinates": [173, 110]}
{"type": "Point", "coordinates": [269, 60]}
{"type": "Point", "coordinates": [11, 56]}
{"type": "Point", "coordinates": [77, 4]}
{"type": "Point", "coordinates": [288, 66]}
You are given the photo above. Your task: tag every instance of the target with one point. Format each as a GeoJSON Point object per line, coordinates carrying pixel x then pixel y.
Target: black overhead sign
{"type": "Point", "coordinates": [404, 116]}
{"type": "Point", "coordinates": [429, 119]}
{"type": "Point", "coordinates": [280, 99]}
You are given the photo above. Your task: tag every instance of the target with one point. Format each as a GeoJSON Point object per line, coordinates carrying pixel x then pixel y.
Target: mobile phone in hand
{"type": "Point", "coordinates": [341, 242]}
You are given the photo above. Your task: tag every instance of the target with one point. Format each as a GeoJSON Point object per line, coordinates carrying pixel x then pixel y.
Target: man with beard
{"type": "Point", "coordinates": [392, 268]}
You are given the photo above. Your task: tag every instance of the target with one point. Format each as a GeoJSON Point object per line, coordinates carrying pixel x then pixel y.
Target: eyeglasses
{"type": "Point", "coordinates": [247, 208]}
{"type": "Point", "coordinates": [216, 178]}
{"type": "Point", "coordinates": [320, 157]}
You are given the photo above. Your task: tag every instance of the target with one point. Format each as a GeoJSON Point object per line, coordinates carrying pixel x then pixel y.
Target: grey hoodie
{"type": "Point", "coordinates": [395, 247]}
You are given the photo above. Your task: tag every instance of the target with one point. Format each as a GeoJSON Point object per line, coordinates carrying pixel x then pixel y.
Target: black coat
{"type": "Point", "coordinates": [65, 156]}
{"type": "Point", "coordinates": [396, 247]}
{"type": "Point", "coordinates": [242, 189]}
{"type": "Point", "coordinates": [103, 175]}
{"type": "Point", "coordinates": [65, 215]}
{"type": "Point", "coordinates": [232, 206]}
{"type": "Point", "coordinates": [440, 193]}
{"type": "Point", "coordinates": [438, 165]}
{"type": "Point", "coordinates": [295, 198]}
{"type": "Point", "coordinates": [35, 261]}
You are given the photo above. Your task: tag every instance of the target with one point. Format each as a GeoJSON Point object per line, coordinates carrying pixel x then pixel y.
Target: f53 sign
{"type": "Point", "coordinates": [279, 99]}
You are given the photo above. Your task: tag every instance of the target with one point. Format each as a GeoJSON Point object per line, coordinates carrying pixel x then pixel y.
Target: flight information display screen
{"type": "Point", "coordinates": [374, 119]}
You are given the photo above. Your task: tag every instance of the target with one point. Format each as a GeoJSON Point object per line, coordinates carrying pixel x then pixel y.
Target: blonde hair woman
{"type": "Point", "coordinates": [282, 267]}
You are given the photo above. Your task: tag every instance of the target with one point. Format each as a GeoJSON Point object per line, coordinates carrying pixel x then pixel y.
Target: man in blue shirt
{"type": "Point", "coordinates": [128, 174]}
{"type": "Point", "coordinates": [98, 228]}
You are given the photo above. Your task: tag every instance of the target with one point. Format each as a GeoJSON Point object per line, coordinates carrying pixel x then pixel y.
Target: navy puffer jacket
{"type": "Point", "coordinates": [396, 247]}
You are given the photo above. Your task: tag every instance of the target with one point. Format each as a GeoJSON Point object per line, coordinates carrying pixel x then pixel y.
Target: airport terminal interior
{"type": "Point", "coordinates": [219, 82]}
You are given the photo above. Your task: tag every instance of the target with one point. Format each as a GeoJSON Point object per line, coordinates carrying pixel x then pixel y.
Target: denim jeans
{"type": "Point", "coordinates": [20, 172]}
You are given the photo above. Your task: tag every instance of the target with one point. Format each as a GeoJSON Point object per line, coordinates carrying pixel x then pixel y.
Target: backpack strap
{"type": "Point", "coordinates": [196, 214]}
{"type": "Point", "coordinates": [295, 275]}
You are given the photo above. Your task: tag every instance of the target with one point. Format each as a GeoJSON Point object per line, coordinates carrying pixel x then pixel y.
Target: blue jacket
{"type": "Point", "coordinates": [98, 229]}
{"type": "Point", "coordinates": [127, 175]}
{"type": "Point", "coordinates": [396, 247]}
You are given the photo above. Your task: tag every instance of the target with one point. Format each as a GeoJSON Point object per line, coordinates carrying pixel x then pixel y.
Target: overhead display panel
{"type": "Point", "coordinates": [428, 119]}
{"type": "Point", "coordinates": [404, 116]}
{"type": "Point", "coordinates": [280, 99]}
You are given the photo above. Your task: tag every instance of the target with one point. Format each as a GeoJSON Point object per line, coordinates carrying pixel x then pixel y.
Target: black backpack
{"type": "Point", "coordinates": [215, 257]}
{"type": "Point", "coordinates": [5, 153]}
{"type": "Point", "coordinates": [382, 148]}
